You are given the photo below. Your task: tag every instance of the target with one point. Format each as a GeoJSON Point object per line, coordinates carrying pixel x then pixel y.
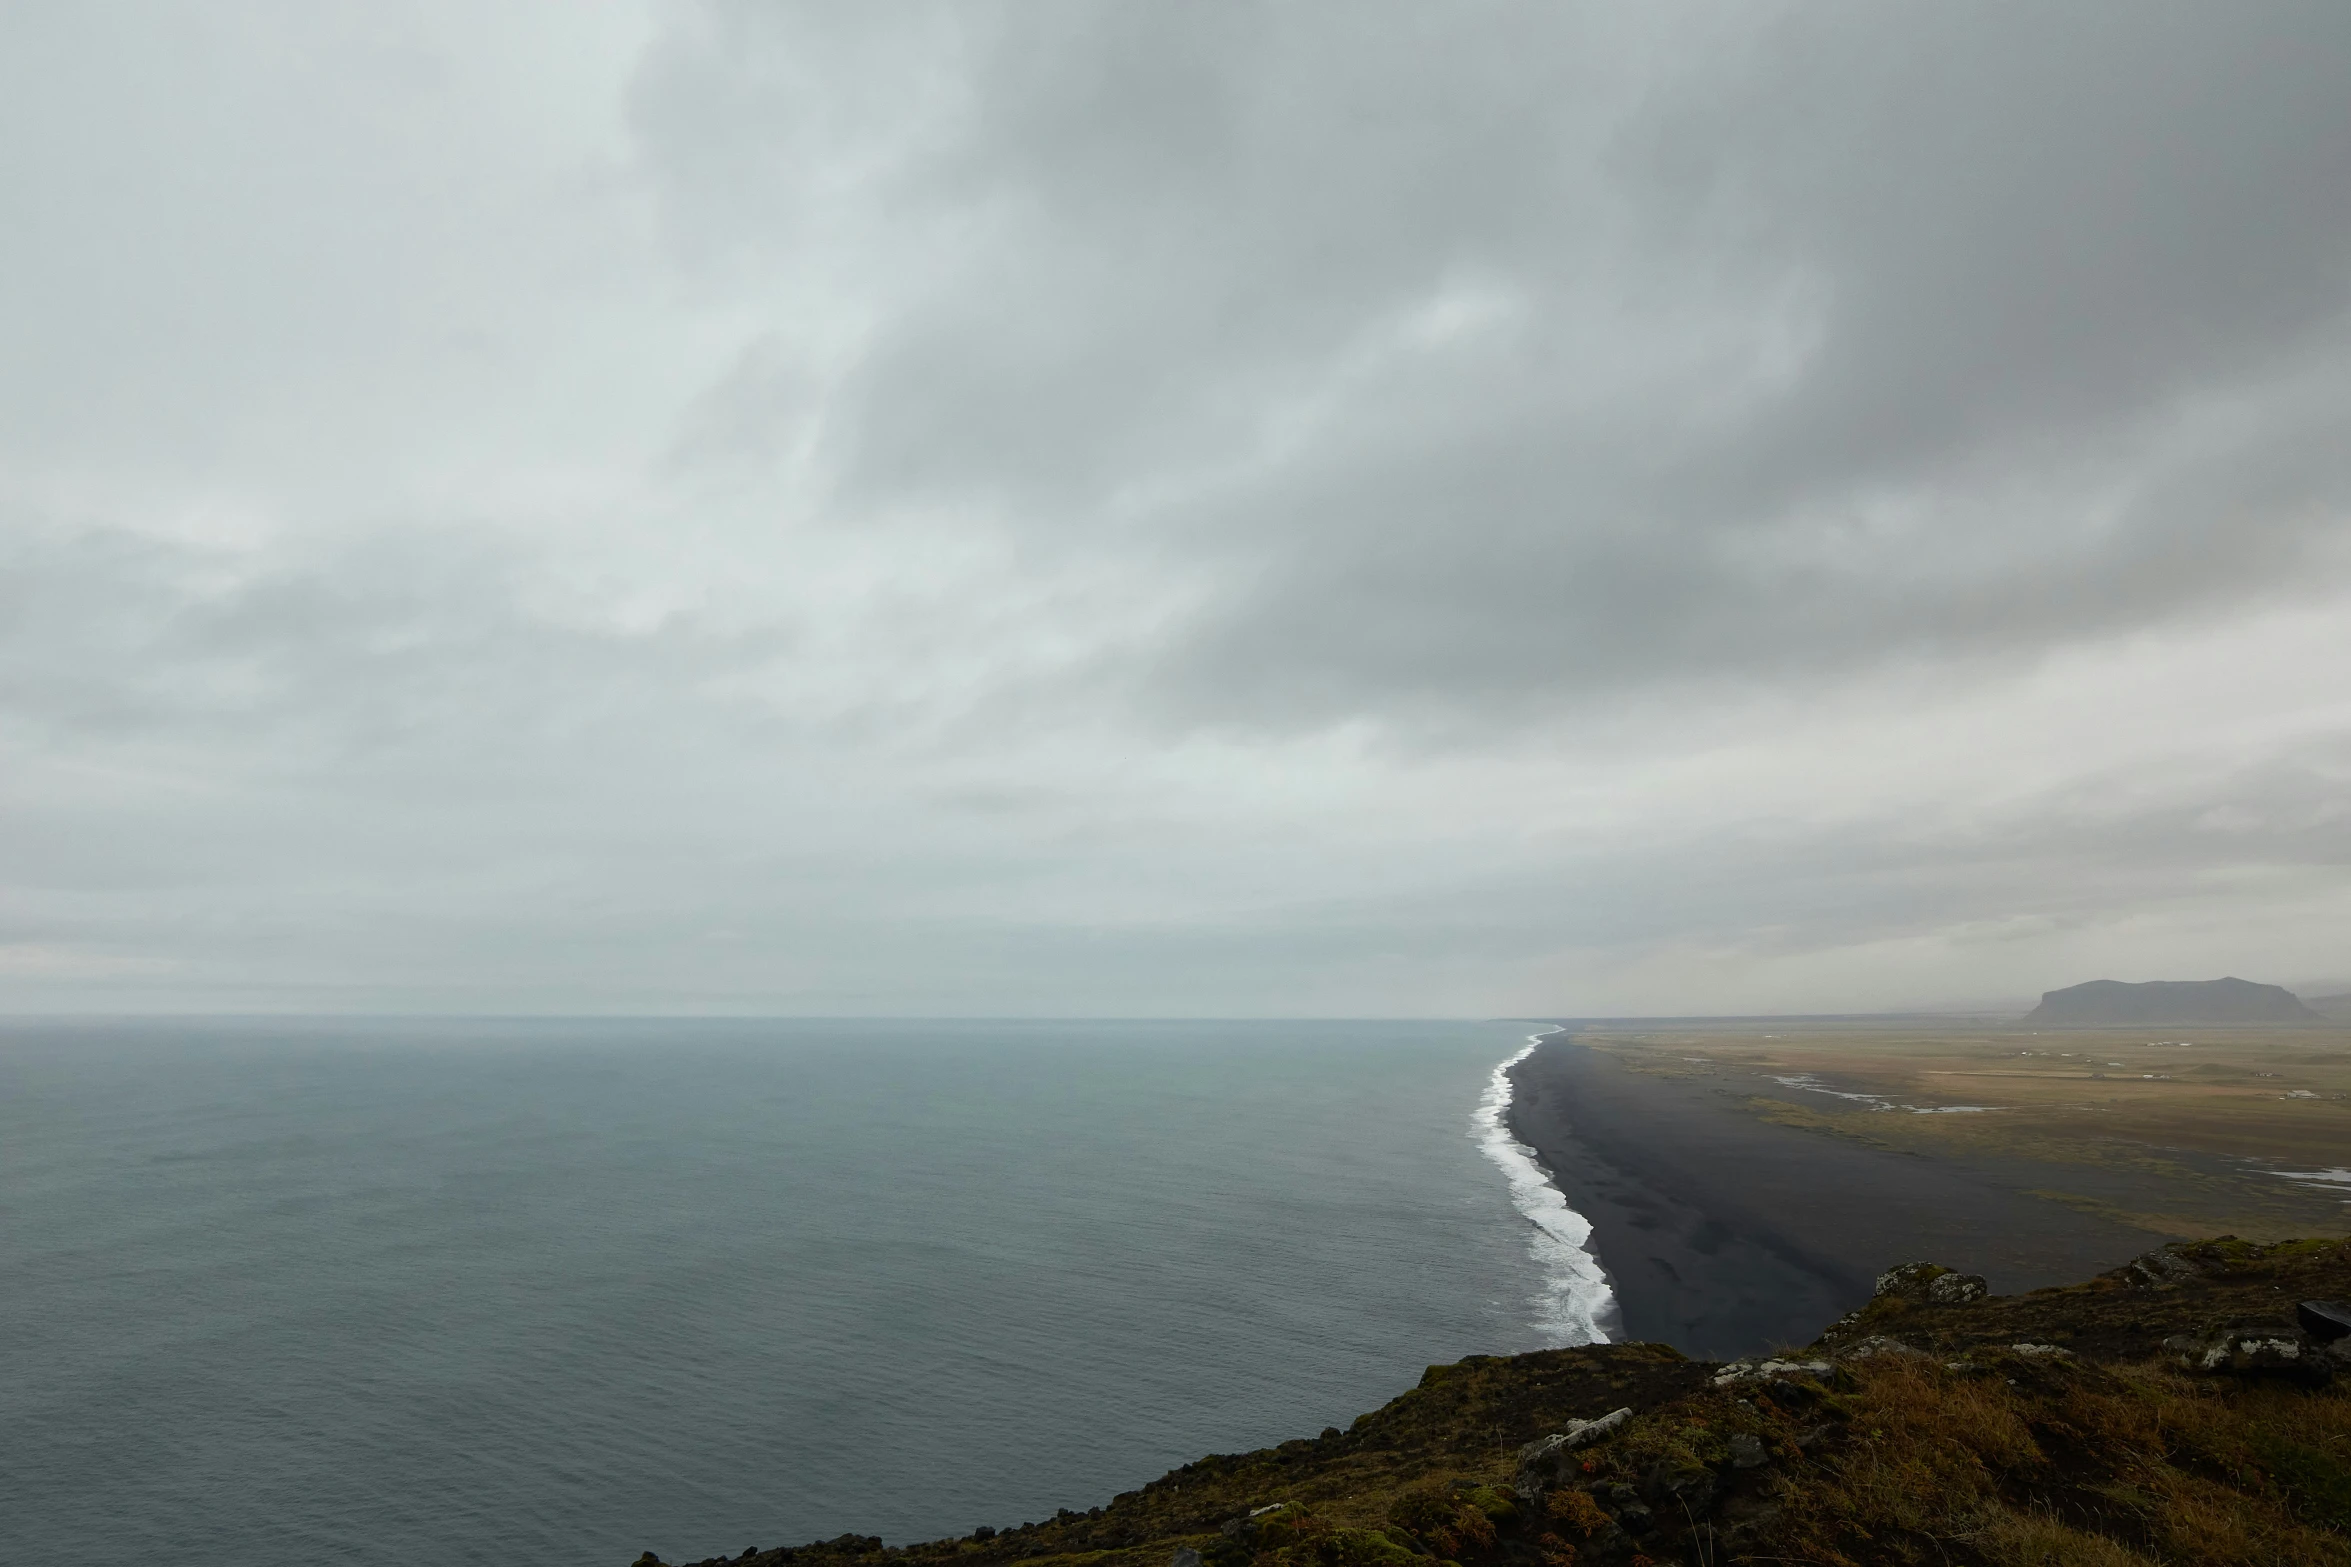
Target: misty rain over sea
{"type": "Point", "coordinates": [299, 1292]}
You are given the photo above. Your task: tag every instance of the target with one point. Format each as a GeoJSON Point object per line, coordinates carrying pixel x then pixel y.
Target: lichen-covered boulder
{"type": "Point", "coordinates": [1909, 1281]}
{"type": "Point", "coordinates": [1930, 1284]}
{"type": "Point", "coordinates": [1770, 1369]}
{"type": "Point", "coordinates": [1957, 1289]}
{"type": "Point", "coordinates": [2253, 1352]}
{"type": "Point", "coordinates": [1547, 1461]}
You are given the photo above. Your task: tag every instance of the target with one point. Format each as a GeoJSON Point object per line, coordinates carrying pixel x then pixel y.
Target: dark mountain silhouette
{"type": "Point", "coordinates": [2166, 1001]}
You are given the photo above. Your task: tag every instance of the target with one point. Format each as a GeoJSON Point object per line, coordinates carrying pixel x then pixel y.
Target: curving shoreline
{"type": "Point", "coordinates": [1579, 1301]}
{"type": "Point", "coordinates": [1725, 1235]}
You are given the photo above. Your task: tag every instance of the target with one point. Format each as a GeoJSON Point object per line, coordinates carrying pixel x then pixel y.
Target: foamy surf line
{"type": "Point", "coordinates": [1578, 1303]}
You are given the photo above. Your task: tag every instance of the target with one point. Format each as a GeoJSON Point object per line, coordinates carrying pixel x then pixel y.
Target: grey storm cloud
{"type": "Point", "coordinates": [1520, 351]}
{"type": "Point", "coordinates": [1057, 507]}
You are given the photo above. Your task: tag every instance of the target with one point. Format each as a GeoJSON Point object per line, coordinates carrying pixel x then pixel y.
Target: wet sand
{"type": "Point", "coordinates": [1726, 1235]}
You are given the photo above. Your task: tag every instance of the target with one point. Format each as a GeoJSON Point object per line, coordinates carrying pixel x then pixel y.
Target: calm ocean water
{"type": "Point", "coordinates": [299, 1293]}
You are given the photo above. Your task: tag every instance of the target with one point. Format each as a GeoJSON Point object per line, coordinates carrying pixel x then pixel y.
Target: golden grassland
{"type": "Point", "coordinates": [2186, 1127]}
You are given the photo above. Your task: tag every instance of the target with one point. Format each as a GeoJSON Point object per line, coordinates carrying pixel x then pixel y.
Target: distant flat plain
{"type": "Point", "coordinates": [2183, 1131]}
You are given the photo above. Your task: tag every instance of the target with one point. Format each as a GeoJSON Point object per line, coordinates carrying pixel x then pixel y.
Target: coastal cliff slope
{"type": "Point", "coordinates": [2166, 1002]}
{"type": "Point", "coordinates": [2193, 1406]}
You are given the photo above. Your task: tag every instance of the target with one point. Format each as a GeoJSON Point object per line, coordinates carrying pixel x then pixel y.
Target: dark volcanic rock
{"type": "Point", "coordinates": [2111, 1003]}
{"type": "Point", "coordinates": [2324, 1320]}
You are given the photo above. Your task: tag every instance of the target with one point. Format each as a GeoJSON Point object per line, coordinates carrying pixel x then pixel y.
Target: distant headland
{"type": "Point", "coordinates": [2112, 1003]}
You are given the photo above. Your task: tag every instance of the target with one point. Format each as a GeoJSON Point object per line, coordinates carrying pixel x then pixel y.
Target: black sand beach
{"type": "Point", "coordinates": [1726, 1235]}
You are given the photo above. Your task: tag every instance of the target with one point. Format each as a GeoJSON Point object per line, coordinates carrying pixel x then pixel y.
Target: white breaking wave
{"type": "Point", "coordinates": [1578, 1304]}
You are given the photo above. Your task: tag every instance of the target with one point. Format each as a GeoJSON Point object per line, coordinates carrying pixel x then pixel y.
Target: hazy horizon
{"type": "Point", "coordinates": [2325, 990]}
{"type": "Point", "coordinates": [1043, 511]}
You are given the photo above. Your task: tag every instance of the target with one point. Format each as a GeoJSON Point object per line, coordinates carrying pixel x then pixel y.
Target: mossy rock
{"type": "Point", "coordinates": [1359, 1548]}
{"type": "Point", "coordinates": [1446, 1521]}
{"type": "Point", "coordinates": [2317, 1483]}
{"type": "Point", "coordinates": [1296, 1537]}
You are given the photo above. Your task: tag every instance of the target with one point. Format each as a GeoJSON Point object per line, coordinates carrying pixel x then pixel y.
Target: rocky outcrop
{"type": "Point", "coordinates": [2110, 1003]}
{"type": "Point", "coordinates": [2328, 1321]}
{"type": "Point", "coordinates": [2259, 1351]}
{"type": "Point", "coordinates": [2194, 1405]}
{"type": "Point", "coordinates": [1547, 1461]}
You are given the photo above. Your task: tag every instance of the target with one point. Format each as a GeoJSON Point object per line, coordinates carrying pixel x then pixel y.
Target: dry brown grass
{"type": "Point", "coordinates": [2038, 1540]}
{"type": "Point", "coordinates": [2073, 1467]}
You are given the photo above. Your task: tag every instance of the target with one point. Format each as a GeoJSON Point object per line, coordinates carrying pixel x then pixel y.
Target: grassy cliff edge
{"type": "Point", "coordinates": [2179, 1409]}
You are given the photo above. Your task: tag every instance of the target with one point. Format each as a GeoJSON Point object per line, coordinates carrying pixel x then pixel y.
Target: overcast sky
{"type": "Point", "coordinates": [1064, 508]}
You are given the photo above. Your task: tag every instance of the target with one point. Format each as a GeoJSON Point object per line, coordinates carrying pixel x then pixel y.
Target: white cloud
{"type": "Point", "coordinates": [1049, 509]}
